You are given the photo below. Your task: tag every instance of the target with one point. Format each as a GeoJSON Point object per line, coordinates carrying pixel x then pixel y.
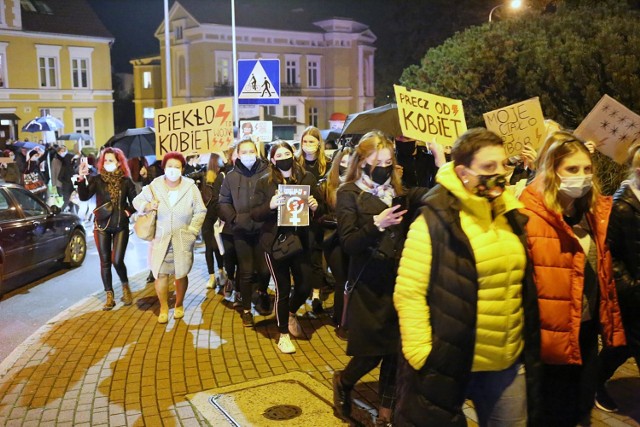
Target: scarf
{"type": "Point", "coordinates": [112, 179]}
{"type": "Point", "coordinates": [384, 192]}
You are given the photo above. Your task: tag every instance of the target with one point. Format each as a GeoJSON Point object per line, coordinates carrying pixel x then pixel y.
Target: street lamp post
{"type": "Point", "coordinates": [515, 4]}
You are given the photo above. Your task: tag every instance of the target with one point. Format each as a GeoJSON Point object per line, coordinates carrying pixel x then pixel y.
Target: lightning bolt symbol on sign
{"type": "Point", "coordinates": [222, 113]}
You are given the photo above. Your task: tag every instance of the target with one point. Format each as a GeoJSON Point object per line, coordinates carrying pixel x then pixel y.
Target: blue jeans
{"type": "Point", "coordinates": [500, 397]}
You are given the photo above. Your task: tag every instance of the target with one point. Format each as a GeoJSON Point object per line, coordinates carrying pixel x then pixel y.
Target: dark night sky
{"type": "Point", "coordinates": [133, 22]}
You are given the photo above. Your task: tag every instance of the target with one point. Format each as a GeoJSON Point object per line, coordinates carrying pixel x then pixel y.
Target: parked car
{"type": "Point", "coordinates": [34, 235]}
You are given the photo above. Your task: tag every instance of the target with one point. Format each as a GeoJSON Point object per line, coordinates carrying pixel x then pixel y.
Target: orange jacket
{"type": "Point", "coordinates": [559, 261]}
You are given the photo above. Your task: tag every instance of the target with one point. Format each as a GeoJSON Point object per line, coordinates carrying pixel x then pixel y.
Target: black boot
{"type": "Point", "coordinates": [341, 398]}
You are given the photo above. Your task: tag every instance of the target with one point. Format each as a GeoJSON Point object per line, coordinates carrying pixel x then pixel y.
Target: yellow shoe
{"type": "Point", "coordinates": [163, 318]}
{"type": "Point", "coordinates": [212, 281]}
{"type": "Point", "coordinates": [178, 313]}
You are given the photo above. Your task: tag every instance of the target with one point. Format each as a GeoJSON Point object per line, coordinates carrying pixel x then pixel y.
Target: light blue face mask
{"type": "Point", "coordinates": [575, 187]}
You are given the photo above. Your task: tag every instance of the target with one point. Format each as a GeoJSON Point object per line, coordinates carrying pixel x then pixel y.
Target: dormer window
{"type": "Point", "coordinates": [178, 32]}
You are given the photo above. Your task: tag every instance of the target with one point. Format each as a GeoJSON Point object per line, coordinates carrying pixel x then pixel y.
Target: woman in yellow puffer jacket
{"type": "Point", "coordinates": [465, 299]}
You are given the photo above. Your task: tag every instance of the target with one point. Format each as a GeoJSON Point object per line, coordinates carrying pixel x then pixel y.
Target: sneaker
{"type": "Point", "coordinates": [237, 299]}
{"type": "Point", "coordinates": [341, 398]}
{"type": "Point", "coordinates": [228, 288]}
{"type": "Point", "coordinates": [285, 345]}
{"type": "Point", "coordinates": [212, 281]}
{"type": "Point", "coordinates": [316, 305]}
{"type": "Point", "coordinates": [295, 328]}
{"type": "Point", "coordinates": [247, 319]}
{"type": "Point", "coordinates": [263, 304]}
{"type": "Point", "coordinates": [604, 402]}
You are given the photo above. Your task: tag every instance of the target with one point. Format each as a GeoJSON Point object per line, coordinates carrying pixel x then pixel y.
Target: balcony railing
{"type": "Point", "coordinates": [223, 89]}
{"type": "Point", "coordinates": [290, 90]}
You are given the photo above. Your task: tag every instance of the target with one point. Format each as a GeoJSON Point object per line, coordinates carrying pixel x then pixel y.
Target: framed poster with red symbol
{"type": "Point", "coordinates": [294, 212]}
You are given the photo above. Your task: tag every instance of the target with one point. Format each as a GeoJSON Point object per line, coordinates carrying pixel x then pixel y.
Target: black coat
{"type": "Point", "coordinates": [371, 316]}
{"type": "Point", "coordinates": [234, 204]}
{"type": "Point", "coordinates": [623, 237]}
{"type": "Point", "coordinates": [122, 209]}
{"type": "Point", "coordinates": [262, 212]}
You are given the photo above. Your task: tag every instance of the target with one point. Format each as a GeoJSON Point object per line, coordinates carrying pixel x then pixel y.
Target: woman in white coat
{"type": "Point", "coordinates": [180, 214]}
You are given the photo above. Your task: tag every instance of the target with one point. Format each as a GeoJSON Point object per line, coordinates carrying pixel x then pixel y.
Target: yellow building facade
{"type": "Point", "coordinates": [55, 58]}
{"type": "Point", "coordinates": [326, 66]}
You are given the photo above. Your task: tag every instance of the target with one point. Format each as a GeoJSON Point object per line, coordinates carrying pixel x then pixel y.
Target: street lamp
{"type": "Point", "coordinates": [515, 4]}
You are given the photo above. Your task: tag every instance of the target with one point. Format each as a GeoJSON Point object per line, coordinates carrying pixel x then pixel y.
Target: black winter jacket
{"type": "Point", "coordinates": [234, 204]}
{"type": "Point", "coordinates": [262, 212]}
{"type": "Point", "coordinates": [623, 237]}
{"type": "Point", "coordinates": [122, 209]}
{"type": "Point", "coordinates": [434, 395]}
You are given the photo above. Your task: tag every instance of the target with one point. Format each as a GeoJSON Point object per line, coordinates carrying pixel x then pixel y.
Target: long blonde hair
{"type": "Point", "coordinates": [320, 155]}
{"type": "Point", "coordinates": [333, 177]}
{"type": "Point", "coordinates": [373, 142]}
{"type": "Point", "coordinates": [560, 145]}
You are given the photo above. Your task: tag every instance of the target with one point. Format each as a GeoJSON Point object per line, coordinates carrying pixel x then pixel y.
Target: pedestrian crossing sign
{"type": "Point", "coordinates": [260, 81]}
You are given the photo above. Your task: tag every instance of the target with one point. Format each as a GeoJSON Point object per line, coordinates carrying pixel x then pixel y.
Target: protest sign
{"type": "Point", "coordinates": [612, 127]}
{"type": "Point", "coordinates": [518, 125]}
{"type": "Point", "coordinates": [257, 130]}
{"type": "Point", "coordinates": [295, 210]}
{"type": "Point", "coordinates": [427, 117]}
{"type": "Point", "coordinates": [201, 127]}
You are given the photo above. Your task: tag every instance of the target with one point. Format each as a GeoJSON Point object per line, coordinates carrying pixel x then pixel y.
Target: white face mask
{"type": "Point", "coordinates": [110, 167]}
{"type": "Point", "coordinates": [310, 149]}
{"type": "Point", "coordinates": [172, 174]}
{"type": "Point", "coordinates": [248, 160]}
{"type": "Point", "coordinates": [575, 186]}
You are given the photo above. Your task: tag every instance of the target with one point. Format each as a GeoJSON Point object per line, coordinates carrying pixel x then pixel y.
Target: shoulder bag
{"type": "Point", "coordinates": [286, 245]}
{"type": "Point", "coordinates": [145, 225]}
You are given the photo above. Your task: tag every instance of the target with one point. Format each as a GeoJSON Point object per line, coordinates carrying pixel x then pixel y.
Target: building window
{"type": "Point", "coordinates": [291, 72]}
{"type": "Point", "coordinates": [222, 70]}
{"type": "Point", "coordinates": [83, 125]}
{"type": "Point", "coordinates": [48, 71]}
{"type": "Point", "coordinates": [271, 110]}
{"type": "Point", "coordinates": [3, 78]}
{"type": "Point", "coordinates": [37, 6]}
{"type": "Point", "coordinates": [80, 73]}
{"type": "Point", "coordinates": [290, 112]}
{"type": "Point", "coordinates": [313, 116]}
{"type": "Point", "coordinates": [313, 73]}
{"type": "Point", "coordinates": [146, 79]}
{"type": "Point", "coordinates": [178, 32]}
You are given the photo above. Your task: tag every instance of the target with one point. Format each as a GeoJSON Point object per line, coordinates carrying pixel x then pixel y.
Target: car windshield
{"type": "Point", "coordinates": [30, 204]}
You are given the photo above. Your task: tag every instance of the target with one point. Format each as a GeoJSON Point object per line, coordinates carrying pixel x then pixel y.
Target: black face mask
{"type": "Point", "coordinates": [490, 186]}
{"type": "Point", "coordinates": [284, 164]}
{"type": "Point", "coordinates": [378, 174]}
{"type": "Point", "coordinates": [342, 170]}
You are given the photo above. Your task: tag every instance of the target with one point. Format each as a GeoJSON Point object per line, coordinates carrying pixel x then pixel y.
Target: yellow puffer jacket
{"type": "Point", "coordinates": [500, 262]}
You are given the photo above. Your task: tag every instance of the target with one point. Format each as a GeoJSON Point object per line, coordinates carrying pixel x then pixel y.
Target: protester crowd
{"type": "Point", "coordinates": [465, 276]}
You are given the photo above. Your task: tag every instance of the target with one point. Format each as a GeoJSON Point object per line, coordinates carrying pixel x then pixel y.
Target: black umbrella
{"type": "Point", "coordinates": [137, 142]}
{"type": "Point", "coordinates": [384, 119]}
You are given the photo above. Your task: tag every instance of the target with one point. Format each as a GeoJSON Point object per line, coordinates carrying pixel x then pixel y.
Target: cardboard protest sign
{"type": "Point", "coordinates": [612, 127]}
{"type": "Point", "coordinates": [428, 117]}
{"type": "Point", "coordinates": [295, 211]}
{"type": "Point", "coordinates": [201, 127]}
{"type": "Point", "coordinates": [518, 125]}
{"type": "Point", "coordinates": [256, 129]}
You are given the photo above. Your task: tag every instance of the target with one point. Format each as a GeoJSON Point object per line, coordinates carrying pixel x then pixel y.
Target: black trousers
{"type": "Point", "coordinates": [568, 391]}
{"type": "Point", "coordinates": [299, 267]}
{"type": "Point", "coordinates": [230, 259]}
{"type": "Point", "coordinates": [611, 358]}
{"type": "Point", "coordinates": [338, 262]}
{"type": "Point", "coordinates": [359, 366]}
{"type": "Point", "coordinates": [210, 244]}
{"type": "Point", "coordinates": [112, 246]}
{"type": "Point", "coordinates": [250, 260]}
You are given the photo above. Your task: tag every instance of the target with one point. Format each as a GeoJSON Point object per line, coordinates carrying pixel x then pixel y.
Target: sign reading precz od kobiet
{"type": "Point", "coordinates": [200, 127]}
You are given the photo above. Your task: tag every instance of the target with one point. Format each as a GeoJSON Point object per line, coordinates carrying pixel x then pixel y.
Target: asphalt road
{"type": "Point", "coordinates": [26, 309]}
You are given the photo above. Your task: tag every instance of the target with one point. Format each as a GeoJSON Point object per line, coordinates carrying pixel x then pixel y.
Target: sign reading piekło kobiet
{"type": "Point", "coordinates": [201, 127]}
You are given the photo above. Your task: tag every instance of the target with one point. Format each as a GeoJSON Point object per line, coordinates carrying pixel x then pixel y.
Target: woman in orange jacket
{"type": "Point", "coordinates": [577, 297]}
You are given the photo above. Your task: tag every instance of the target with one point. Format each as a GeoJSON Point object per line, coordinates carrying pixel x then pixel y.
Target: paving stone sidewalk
{"type": "Point", "coordinates": [88, 367]}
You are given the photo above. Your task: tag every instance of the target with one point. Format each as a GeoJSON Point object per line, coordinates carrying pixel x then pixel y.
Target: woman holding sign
{"type": "Point", "coordinates": [266, 202]}
{"type": "Point", "coordinates": [566, 233]}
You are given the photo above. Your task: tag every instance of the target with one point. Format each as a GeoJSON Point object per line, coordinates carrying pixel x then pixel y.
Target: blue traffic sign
{"type": "Point", "coordinates": [259, 81]}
